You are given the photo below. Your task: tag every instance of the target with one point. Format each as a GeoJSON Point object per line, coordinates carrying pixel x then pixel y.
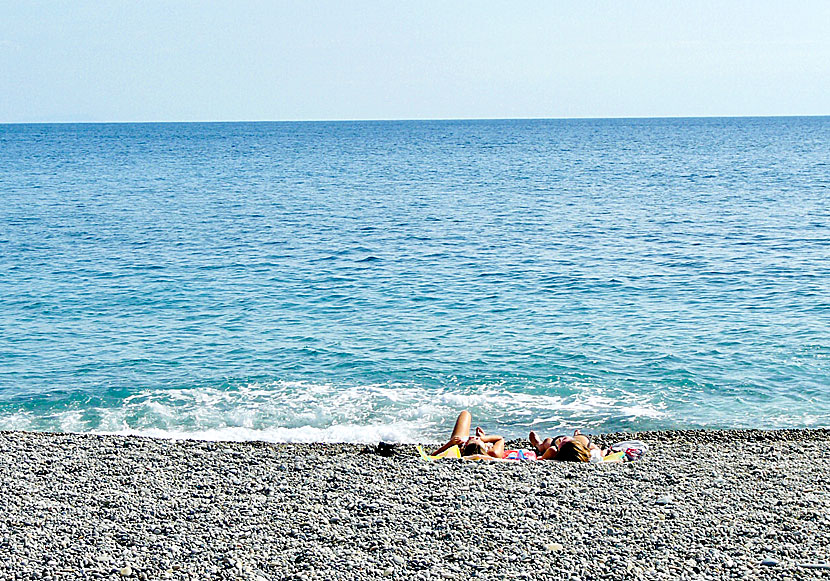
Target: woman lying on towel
{"type": "Point", "coordinates": [580, 448]}
{"type": "Point", "coordinates": [576, 448]}
{"type": "Point", "coordinates": [481, 446]}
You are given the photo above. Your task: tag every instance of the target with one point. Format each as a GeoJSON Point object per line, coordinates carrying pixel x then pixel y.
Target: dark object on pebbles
{"type": "Point", "coordinates": [385, 449]}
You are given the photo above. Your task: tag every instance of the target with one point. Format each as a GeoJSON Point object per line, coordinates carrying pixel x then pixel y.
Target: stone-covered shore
{"type": "Point", "coordinates": [701, 505]}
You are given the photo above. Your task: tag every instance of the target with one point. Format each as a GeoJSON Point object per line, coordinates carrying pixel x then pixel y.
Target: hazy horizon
{"type": "Point", "coordinates": [436, 119]}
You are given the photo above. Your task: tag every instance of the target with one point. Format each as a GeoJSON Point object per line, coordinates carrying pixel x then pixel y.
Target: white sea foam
{"type": "Point", "coordinates": [303, 434]}
{"type": "Point", "coordinates": [641, 411]}
{"type": "Point", "coordinates": [283, 411]}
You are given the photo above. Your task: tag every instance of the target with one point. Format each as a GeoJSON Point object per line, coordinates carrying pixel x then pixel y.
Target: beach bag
{"type": "Point", "coordinates": [627, 451]}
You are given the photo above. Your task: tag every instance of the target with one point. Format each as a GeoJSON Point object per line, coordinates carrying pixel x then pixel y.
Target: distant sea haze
{"type": "Point", "coordinates": [365, 281]}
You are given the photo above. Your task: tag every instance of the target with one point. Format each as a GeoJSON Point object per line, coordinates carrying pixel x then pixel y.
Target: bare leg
{"type": "Point", "coordinates": [541, 446]}
{"type": "Point", "coordinates": [459, 433]}
{"type": "Point", "coordinates": [534, 439]}
{"type": "Point", "coordinates": [462, 426]}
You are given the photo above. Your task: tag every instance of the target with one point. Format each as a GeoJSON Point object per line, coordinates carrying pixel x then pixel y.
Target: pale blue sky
{"type": "Point", "coordinates": [154, 60]}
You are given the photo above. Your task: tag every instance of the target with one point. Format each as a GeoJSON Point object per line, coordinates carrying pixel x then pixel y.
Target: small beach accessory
{"type": "Point", "coordinates": [385, 449]}
{"type": "Point", "coordinates": [627, 451]}
{"type": "Point", "coordinates": [613, 457]}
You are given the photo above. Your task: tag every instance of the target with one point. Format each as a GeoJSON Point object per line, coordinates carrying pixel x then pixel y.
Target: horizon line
{"type": "Point", "coordinates": [387, 120]}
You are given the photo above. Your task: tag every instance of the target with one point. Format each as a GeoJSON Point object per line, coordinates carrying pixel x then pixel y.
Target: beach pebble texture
{"type": "Point", "coordinates": [700, 505]}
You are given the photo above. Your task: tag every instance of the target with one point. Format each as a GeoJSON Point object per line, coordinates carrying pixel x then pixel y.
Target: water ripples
{"type": "Point", "coordinates": [631, 274]}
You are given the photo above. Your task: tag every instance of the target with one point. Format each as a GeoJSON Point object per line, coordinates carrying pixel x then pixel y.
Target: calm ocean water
{"type": "Point", "coordinates": [363, 281]}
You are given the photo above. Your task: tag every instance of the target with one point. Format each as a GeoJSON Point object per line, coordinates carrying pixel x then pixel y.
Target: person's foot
{"type": "Point", "coordinates": [534, 440]}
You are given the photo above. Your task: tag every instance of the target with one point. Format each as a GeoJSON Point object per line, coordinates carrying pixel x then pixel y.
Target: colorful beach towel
{"type": "Point", "coordinates": [519, 455]}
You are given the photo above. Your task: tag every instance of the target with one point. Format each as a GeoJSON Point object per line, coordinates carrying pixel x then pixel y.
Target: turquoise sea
{"type": "Point", "coordinates": [358, 281]}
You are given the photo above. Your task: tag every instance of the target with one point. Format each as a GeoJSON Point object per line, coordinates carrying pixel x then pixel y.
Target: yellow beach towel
{"type": "Point", "coordinates": [452, 452]}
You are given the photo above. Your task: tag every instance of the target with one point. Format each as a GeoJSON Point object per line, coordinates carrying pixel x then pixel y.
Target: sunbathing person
{"type": "Point", "coordinates": [576, 448]}
{"type": "Point", "coordinates": [481, 446]}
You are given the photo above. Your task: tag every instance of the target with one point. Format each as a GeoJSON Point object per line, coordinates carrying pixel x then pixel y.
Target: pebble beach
{"type": "Point", "coordinates": [700, 505]}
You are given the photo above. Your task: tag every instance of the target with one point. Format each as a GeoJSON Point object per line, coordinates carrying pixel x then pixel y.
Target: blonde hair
{"type": "Point", "coordinates": [573, 451]}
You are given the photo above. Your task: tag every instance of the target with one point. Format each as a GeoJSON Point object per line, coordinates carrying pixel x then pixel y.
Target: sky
{"type": "Point", "coordinates": [149, 60]}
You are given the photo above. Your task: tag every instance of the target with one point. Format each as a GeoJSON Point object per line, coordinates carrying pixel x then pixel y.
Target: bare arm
{"type": "Point", "coordinates": [497, 448]}
{"type": "Point", "coordinates": [486, 457]}
{"type": "Point", "coordinates": [454, 441]}
{"type": "Point", "coordinates": [550, 453]}
{"type": "Point", "coordinates": [497, 451]}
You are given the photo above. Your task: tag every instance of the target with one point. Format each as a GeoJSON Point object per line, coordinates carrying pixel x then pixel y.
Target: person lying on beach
{"type": "Point", "coordinates": [576, 448]}
{"type": "Point", "coordinates": [481, 446]}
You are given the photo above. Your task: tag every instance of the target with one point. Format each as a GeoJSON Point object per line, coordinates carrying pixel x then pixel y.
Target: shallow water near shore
{"type": "Point", "coordinates": [364, 281]}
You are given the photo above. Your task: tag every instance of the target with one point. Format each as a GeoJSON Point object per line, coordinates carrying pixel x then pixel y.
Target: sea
{"type": "Point", "coordinates": [366, 281]}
